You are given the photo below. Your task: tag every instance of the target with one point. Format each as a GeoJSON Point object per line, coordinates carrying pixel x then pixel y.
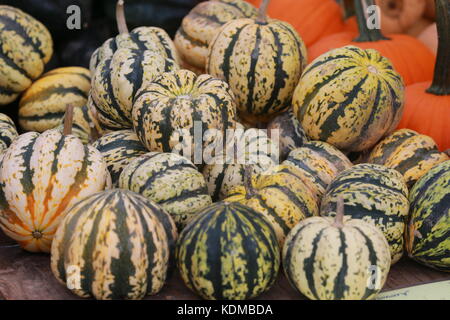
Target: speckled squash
{"type": "Point", "coordinates": [119, 243]}
{"type": "Point", "coordinates": [327, 259]}
{"type": "Point", "coordinates": [41, 175]}
{"type": "Point", "coordinates": [375, 194]}
{"type": "Point", "coordinates": [8, 132]}
{"type": "Point", "coordinates": [281, 195]}
{"type": "Point", "coordinates": [166, 111]}
{"type": "Point", "coordinates": [319, 163]}
{"type": "Point", "coordinates": [228, 252]}
{"type": "Point", "coordinates": [169, 180]}
{"type": "Point", "coordinates": [119, 148]}
{"type": "Point", "coordinates": [428, 234]}
{"type": "Point", "coordinates": [350, 98]}
{"type": "Point", "coordinates": [200, 26]}
{"type": "Point", "coordinates": [25, 47]}
{"type": "Point", "coordinates": [42, 106]}
{"type": "Point", "coordinates": [410, 153]}
{"type": "Point", "coordinates": [262, 59]}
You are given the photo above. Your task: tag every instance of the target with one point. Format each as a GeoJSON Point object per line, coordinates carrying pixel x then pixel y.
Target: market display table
{"type": "Point", "coordinates": [25, 275]}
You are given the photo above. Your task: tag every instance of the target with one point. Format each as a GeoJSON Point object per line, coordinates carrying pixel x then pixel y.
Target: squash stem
{"type": "Point", "coordinates": [339, 219]}
{"type": "Point", "coordinates": [249, 190]}
{"type": "Point", "coordinates": [68, 120]}
{"type": "Point", "coordinates": [441, 81]}
{"type": "Point", "coordinates": [262, 14]}
{"type": "Point", "coordinates": [366, 34]}
{"type": "Point", "coordinates": [120, 17]}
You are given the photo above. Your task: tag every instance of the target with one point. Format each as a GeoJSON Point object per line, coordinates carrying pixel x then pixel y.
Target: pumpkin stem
{"type": "Point", "coordinates": [339, 219]}
{"type": "Point", "coordinates": [441, 80]}
{"type": "Point", "coordinates": [366, 34]}
{"type": "Point", "coordinates": [249, 190]}
{"type": "Point", "coordinates": [120, 17]}
{"type": "Point", "coordinates": [348, 10]}
{"type": "Point", "coordinates": [68, 120]}
{"type": "Point", "coordinates": [262, 14]}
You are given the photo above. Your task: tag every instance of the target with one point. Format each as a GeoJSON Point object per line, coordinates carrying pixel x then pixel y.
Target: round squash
{"type": "Point", "coordinates": [329, 259]}
{"type": "Point", "coordinates": [319, 163]}
{"type": "Point", "coordinates": [117, 242]}
{"type": "Point", "coordinates": [262, 59]}
{"type": "Point", "coordinates": [169, 180]}
{"type": "Point", "coordinates": [25, 47]}
{"type": "Point", "coordinates": [281, 195]}
{"type": "Point", "coordinates": [119, 148]}
{"type": "Point", "coordinates": [171, 113]}
{"type": "Point", "coordinates": [201, 25]}
{"type": "Point", "coordinates": [43, 105]}
{"type": "Point", "coordinates": [8, 132]}
{"type": "Point", "coordinates": [410, 153]}
{"type": "Point", "coordinates": [375, 194]}
{"type": "Point", "coordinates": [350, 98]}
{"type": "Point", "coordinates": [228, 252]}
{"type": "Point", "coordinates": [428, 233]}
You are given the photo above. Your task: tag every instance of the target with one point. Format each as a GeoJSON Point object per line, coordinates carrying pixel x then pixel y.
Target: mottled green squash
{"type": "Point", "coordinates": [8, 132]}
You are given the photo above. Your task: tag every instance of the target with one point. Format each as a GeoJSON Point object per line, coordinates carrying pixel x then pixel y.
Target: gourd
{"type": "Point", "coordinates": [331, 259]}
{"type": "Point", "coordinates": [42, 106]}
{"type": "Point", "coordinates": [410, 153]}
{"type": "Point", "coordinates": [166, 113]}
{"type": "Point", "coordinates": [169, 180]}
{"type": "Point", "coordinates": [228, 252]}
{"type": "Point", "coordinates": [375, 194]}
{"type": "Point", "coordinates": [350, 98]}
{"type": "Point", "coordinates": [119, 148]}
{"type": "Point", "coordinates": [40, 177]}
{"type": "Point", "coordinates": [25, 47]}
{"type": "Point", "coordinates": [318, 163]}
{"type": "Point", "coordinates": [428, 103]}
{"type": "Point", "coordinates": [8, 132]}
{"type": "Point", "coordinates": [428, 233]}
{"type": "Point", "coordinates": [203, 22]}
{"type": "Point", "coordinates": [119, 243]}
{"type": "Point", "coordinates": [262, 59]}
{"type": "Point", "coordinates": [281, 195]}
{"type": "Point", "coordinates": [409, 57]}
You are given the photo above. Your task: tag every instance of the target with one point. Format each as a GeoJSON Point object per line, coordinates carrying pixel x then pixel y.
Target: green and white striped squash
{"type": "Point", "coordinates": [428, 234]}
{"type": "Point", "coordinates": [375, 194]}
{"type": "Point", "coordinates": [350, 98]}
{"type": "Point", "coordinates": [119, 244]}
{"type": "Point", "coordinates": [8, 132]}
{"type": "Point", "coordinates": [170, 180]}
{"type": "Point", "coordinates": [25, 47]}
{"type": "Point", "coordinates": [328, 259]}
{"type": "Point", "coordinates": [119, 148]}
{"type": "Point", "coordinates": [228, 252]}
{"type": "Point", "coordinates": [42, 106]}
{"type": "Point", "coordinates": [40, 177]}
{"type": "Point", "coordinates": [319, 163]}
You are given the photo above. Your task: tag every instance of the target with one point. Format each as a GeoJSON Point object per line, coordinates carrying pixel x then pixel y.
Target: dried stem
{"type": "Point", "coordinates": [68, 120]}
{"type": "Point", "coordinates": [120, 17]}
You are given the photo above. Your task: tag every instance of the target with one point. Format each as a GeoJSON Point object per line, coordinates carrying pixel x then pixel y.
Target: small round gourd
{"type": "Point", "coordinates": [228, 252]}
{"type": "Point", "coordinates": [117, 242]}
{"type": "Point", "coordinates": [8, 132]}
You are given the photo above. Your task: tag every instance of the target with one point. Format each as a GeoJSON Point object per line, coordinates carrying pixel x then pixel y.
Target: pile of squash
{"type": "Point", "coordinates": [321, 150]}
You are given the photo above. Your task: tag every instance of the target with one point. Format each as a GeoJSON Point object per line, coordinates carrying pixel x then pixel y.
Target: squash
{"type": "Point", "coordinates": [25, 47]}
{"type": "Point", "coordinates": [281, 195]}
{"type": "Point", "coordinates": [409, 57]}
{"type": "Point", "coordinates": [40, 177]}
{"type": "Point", "coordinates": [428, 233]}
{"type": "Point", "coordinates": [228, 252]}
{"type": "Point", "coordinates": [319, 163]}
{"type": "Point", "coordinates": [262, 60]}
{"type": "Point", "coordinates": [169, 180]}
{"type": "Point", "coordinates": [245, 147]}
{"type": "Point", "coordinates": [427, 108]}
{"type": "Point", "coordinates": [350, 98]}
{"type": "Point", "coordinates": [119, 148]}
{"type": "Point", "coordinates": [375, 194]}
{"type": "Point", "coordinates": [410, 153]}
{"type": "Point", "coordinates": [42, 106]}
{"type": "Point", "coordinates": [202, 23]}
{"type": "Point", "coordinates": [8, 132]}
{"type": "Point", "coordinates": [287, 132]}
{"type": "Point", "coordinates": [176, 106]}
{"type": "Point", "coordinates": [333, 259]}
{"type": "Point", "coordinates": [117, 242]}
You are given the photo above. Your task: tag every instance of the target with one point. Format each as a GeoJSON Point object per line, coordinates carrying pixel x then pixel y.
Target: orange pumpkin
{"type": "Point", "coordinates": [410, 57]}
{"type": "Point", "coordinates": [427, 108]}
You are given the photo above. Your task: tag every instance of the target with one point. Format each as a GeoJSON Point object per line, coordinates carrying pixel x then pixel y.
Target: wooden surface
{"type": "Point", "coordinates": [26, 275]}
